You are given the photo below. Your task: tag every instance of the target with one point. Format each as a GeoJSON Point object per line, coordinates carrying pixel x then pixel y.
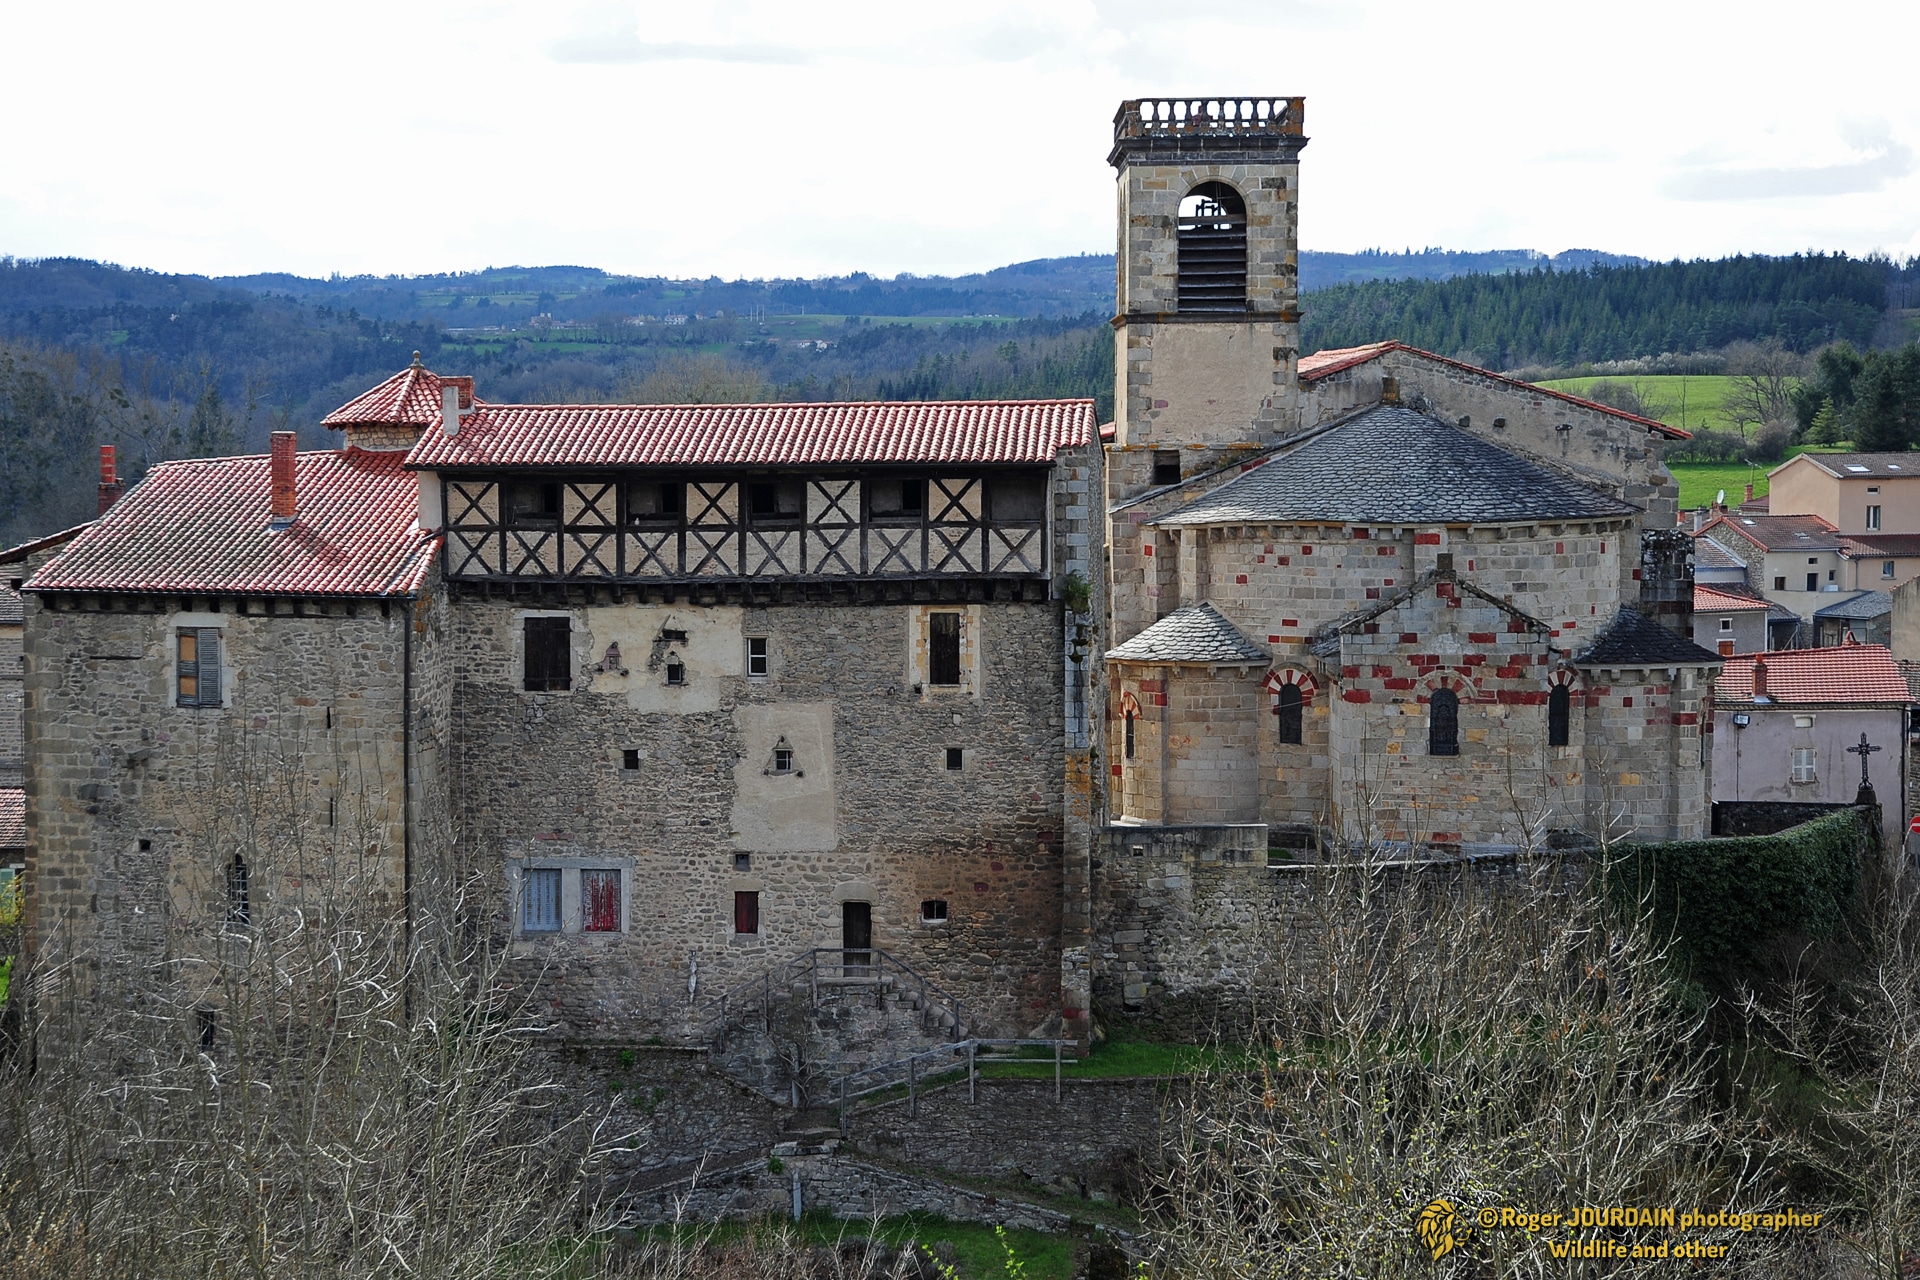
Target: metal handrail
{"type": "Point", "coordinates": [759, 990]}
{"type": "Point", "coordinates": [910, 1064]}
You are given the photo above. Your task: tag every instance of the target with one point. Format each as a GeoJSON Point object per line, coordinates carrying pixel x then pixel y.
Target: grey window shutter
{"type": "Point", "coordinates": [209, 666]}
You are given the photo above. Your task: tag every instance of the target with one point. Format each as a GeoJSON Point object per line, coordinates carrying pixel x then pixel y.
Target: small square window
{"type": "Point", "coordinates": [676, 671]}
{"type": "Point", "coordinates": [783, 759]}
{"type": "Point", "coordinates": [746, 911]}
{"type": "Point", "coordinates": [757, 657]}
{"type": "Point", "coordinates": [934, 911]}
{"type": "Point", "coordinates": [1726, 624]}
{"type": "Point", "coordinates": [1780, 583]}
{"type": "Point", "coordinates": [1803, 722]}
{"type": "Point", "coordinates": [540, 900]}
{"type": "Point", "coordinates": [1832, 574]}
{"type": "Point", "coordinates": [743, 862]}
{"type": "Point", "coordinates": [955, 758]}
{"type": "Point", "coordinates": [630, 758]}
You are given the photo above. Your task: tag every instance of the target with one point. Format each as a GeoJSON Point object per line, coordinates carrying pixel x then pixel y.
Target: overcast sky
{"type": "Point", "coordinates": [778, 137]}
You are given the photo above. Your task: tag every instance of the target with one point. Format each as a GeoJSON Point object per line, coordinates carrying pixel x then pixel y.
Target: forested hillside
{"type": "Point", "coordinates": [169, 366]}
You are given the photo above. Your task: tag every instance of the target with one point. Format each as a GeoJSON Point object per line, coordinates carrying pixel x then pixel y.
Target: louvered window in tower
{"type": "Point", "coordinates": [1212, 243]}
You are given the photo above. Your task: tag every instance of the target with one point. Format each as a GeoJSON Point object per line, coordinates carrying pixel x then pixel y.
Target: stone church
{"type": "Point", "coordinates": [722, 699]}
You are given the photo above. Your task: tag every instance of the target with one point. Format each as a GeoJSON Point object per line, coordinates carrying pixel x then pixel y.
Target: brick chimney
{"type": "Point", "coordinates": [110, 486]}
{"type": "Point", "coordinates": [1759, 680]}
{"type": "Point", "coordinates": [1749, 491]}
{"type": "Point", "coordinates": [282, 471]}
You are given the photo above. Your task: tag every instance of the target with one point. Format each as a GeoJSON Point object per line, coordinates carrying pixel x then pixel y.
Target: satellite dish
{"type": "Point", "coordinates": [1720, 499]}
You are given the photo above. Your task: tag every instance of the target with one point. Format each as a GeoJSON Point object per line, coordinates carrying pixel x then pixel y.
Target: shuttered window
{"type": "Point", "coordinates": [600, 901]}
{"type": "Point", "coordinates": [549, 660]}
{"type": "Point", "coordinates": [197, 666]}
{"type": "Point", "coordinates": [540, 900]}
{"type": "Point", "coordinates": [943, 648]}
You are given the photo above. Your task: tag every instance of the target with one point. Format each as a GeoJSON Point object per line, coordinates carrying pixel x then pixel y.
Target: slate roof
{"type": "Point", "coordinates": [1708, 554]}
{"type": "Point", "coordinates": [1868, 604]}
{"type": "Point", "coordinates": [1839, 673]}
{"type": "Point", "coordinates": [627, 435]}
{"type": "Point", "coordinates": [1634, 640]}
{"type": "Point", "coordinates": [1195, 633]}
{"type": "Point", "coordinates": [1391, 465]}
{"type": "Point", "coordinates": [1322, 364]}
{"type": "Point", "coordinates": [1780, 533]}
{"type": "Point", "coordinates": [203, 525]}
{"type": "Point", "coordinates": [1851, 466]}
{"type": "Point", "coordinates": [13, 818]}
{"type": "Point", "coordinates": [1709, 598]}
{"type": "Point", "coordinates": [12, 609]}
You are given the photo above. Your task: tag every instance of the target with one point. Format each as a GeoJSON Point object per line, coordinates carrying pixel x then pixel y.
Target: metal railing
{"type": "Point", "coordinates": [832, 966]}
{"type": "Point", "coordinates": [908, 1070]}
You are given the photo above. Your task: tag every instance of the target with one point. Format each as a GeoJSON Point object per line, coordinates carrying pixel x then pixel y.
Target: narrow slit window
{"type": "Point", "coordinates": [600, 901]}
{"type": "Point", "coordinates": [239, 894]}
{"type": "Point", "coordinates": [549, 663]}
{"type": "Point", "coordinates": [943, 648]}
{"type": "Point", "coordinates": [1287, 708]}
{"type": "Point", "coordinates": [1559, 716]}
{"type": "Point", "coordinates": [1127, 742]}
{"type": "Point", "coordinates": [540, 900]}
{"type": "Point", "coordinates": [1211, 240]}
{"type": "Point", "coordinates": [1443, 723]}
{"type": "Point", "coordinates": [746, 911]}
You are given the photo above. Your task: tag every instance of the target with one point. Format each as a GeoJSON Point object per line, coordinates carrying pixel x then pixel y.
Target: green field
{"type": "Point", "coordinates": [1690, 403]}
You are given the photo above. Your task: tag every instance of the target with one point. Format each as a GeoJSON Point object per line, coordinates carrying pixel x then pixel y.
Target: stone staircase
{"type": "Point", "coordinates": [804, 1024]}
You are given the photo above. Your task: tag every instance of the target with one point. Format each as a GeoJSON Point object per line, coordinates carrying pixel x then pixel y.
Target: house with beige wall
{"type": "Point", "coordinates": [1871, 497]}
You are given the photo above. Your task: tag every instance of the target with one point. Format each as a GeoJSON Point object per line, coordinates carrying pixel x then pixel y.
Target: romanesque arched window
{"type": "Point", "coordinates": [1559, 714]}
{"type": "Point", "coordinates": [1443, 723]}
{"type": "Point", "coordinates": [1286, 709]}
{"type": "Point", "coordinates": [1212, 246]}
{"type": "Point", "coordinates": [1129, 742]}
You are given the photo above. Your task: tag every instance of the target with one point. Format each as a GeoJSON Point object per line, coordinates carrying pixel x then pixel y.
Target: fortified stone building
{"type": "Point", "coordinates": [736, 703]}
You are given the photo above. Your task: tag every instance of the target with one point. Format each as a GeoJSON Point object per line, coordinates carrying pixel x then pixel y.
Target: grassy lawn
{"type": "Point", "coordinates": [1690, 403]}
{"type": "Point", "coordinates": [1700, 481]}
{"type": "Point", "coordinates": [1116, 1057]}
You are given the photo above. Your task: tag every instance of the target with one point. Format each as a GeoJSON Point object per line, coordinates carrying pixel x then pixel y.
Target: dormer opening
{"type": "Point", "coordinates": [1212, 248]}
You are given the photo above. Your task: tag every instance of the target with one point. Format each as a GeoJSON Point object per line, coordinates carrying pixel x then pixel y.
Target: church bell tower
{"type": "Point", "coordinates": [1208, 324]}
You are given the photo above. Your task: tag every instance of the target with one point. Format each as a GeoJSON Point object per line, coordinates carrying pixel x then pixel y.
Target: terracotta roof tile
{"type": "Point", "coordinates": [1867, 546]}
{"type": "Point", "coordinates": [1709, 598]}
{"type": "Point", "coordinates": [409, 398]}
{"type": "Point", "coordinates": [203, 525]}
{"type": "Point", "coordinates": [1842, 673]}
{"type": "Point", "coordinates": [1780, 533]}
{"type": "Point", "coordinates": [574, 435]}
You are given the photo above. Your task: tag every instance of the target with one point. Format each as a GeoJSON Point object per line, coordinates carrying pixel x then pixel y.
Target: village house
{"type": "Point", "coordinates": [1729, 620]}
{"type": "Point", "coordinates": [1789, 727]}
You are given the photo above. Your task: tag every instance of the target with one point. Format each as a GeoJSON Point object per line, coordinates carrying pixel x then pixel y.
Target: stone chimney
{"type": "Point", "coordinates": [282, 473]}
{"type": "Point", "coordinates": [456, 400]}
{"type": "Point", "coordinates": [110, 486]}
{"type": "Point", "coordinates": [1749, 497]}
{"type": "Point", "coordinates": [1759, 680]}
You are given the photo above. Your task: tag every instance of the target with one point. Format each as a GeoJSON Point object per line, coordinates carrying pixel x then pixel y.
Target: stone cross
{"type": "Point", "coordinates": [1863, 751]}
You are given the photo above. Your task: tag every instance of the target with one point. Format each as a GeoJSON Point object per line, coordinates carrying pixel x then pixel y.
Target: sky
{"type": "Point", "coordinates": [757, 138]}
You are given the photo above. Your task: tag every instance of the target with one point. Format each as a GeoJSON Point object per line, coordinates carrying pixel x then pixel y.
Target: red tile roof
{"type": "Point", "coordinates": [1323, 364]}
{"type": "Point", "coordinates": [1866, 546]}
{"type": "Point", "coordinates": [203, 526]}
{"type": "Point", "coordinates": [409, 398]}
{"type": "Point", "coordinates": [1843, 673]}
{"type": "Point", "coordinates": [1709, 598]}
{"type": "Point", "coordinates": [1779, 533]}
{"type": "Point", "coordinates": [576, 435]}
{"type": "Point", "coordinates": [13, 818]}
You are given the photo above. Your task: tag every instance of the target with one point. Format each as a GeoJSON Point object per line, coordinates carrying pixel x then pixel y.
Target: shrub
{"type": "Point", "coordinates": [1708, 446]}
{"type": "Point", "coordinates": [1770, 442]}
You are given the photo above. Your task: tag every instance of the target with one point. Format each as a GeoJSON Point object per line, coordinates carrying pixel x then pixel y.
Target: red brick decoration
{"type": "Point", "coordinates": [1293, 676]}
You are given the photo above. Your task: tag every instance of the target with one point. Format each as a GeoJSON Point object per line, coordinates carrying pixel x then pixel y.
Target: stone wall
{"type": "Point", "coordinates": [869, 812]}
{"type": "Point", "coordinates": [136, 805]}
{"type": "Point", "coordinates": [12, 703]}
{"type": "Point", "coordinates": [1646, 775]}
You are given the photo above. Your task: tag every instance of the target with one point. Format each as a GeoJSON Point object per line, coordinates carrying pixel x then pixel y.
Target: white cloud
{"type": "Point", "coordinates": [761, 137]}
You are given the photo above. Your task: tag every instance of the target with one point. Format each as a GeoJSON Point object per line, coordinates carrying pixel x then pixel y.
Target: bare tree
{"type": "Point", "coordinates": [1763, 376]}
